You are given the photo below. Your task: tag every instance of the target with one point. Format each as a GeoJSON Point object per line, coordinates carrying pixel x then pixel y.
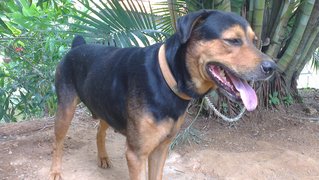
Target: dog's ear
{"type": "Point", "coordinates": [185, 24]}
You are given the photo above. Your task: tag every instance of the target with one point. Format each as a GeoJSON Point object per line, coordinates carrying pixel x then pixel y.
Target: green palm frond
{"type": "Point", "coordinates": [169, 11]}
{"type": "Point", "coordinates": [118, 23]}
{"type": "Point", "coordinates": [315, 60]}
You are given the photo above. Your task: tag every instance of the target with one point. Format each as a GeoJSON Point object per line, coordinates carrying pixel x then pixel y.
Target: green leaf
{"type": "Point", "coordinates": [5, 27]}
{"type": "Point", "coordinates": [12, 6]}
{"type": "Point", "coordinates": [315, 60]}
{"type": "Point", "coordinates": [123, 24]}
{"type": "Point", "coordinates": [15, 31]}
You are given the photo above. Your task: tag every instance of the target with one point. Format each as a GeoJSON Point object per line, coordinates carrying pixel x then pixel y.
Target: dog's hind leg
{"type": "Point", "coordinates": [62, 122]}
{"type": "Point", "coordinates": [67, 102]}
{"type": "Point", "coordinates": [103, 159]}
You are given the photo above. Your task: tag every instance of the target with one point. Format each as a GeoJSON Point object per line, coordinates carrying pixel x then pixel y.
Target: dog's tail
{"type": "Point", "coordinates": [77, 41]}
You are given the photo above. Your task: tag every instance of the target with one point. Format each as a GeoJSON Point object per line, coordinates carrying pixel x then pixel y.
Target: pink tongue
{"type": "Point", "coordinates": [247, 93]}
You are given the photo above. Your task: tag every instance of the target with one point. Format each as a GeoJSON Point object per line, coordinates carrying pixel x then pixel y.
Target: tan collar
{"type": "Point", "coordinates": [168, 76]}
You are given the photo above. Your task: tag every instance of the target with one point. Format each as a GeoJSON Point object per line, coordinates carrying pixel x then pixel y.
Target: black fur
{"type": "Point", "coordinates": [218, 22]}
{"type": "Point", "coordinates": [77, 41]}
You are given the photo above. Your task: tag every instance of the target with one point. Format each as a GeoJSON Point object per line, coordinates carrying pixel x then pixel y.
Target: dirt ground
{"type": "Point", "coordinates": [275, 144]}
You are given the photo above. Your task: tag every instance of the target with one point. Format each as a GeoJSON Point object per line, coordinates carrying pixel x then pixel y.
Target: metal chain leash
{"type": "Point", "coordinates": [225, 118]}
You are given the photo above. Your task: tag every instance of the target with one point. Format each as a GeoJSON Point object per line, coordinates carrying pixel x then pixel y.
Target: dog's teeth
{"type": "Point", "coordinates": [222, 73]}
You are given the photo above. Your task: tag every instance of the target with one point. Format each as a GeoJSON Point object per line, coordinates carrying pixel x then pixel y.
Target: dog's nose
{"type": "Point", "coordinates": [268, 66]}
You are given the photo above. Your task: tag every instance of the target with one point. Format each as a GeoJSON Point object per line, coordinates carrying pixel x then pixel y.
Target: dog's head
{"type": "Point", "coordinates": [221, 53]}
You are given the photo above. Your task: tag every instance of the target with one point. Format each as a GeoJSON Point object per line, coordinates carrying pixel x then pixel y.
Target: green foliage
{"type": "Point", "coordinates": [315, 60]}
{"type": "Point", "coordinates": [118, 23]}
{"type": "Point", "coordinates": [33, 42]}
{"type": "Point", "coordinates": [224, 107]}
{"type": "Point", "coordinates": [274, 99]}
{"type": "Point", "coordinates": [288, 100]}
{"type": "Point", "coordinates": [170, 11]}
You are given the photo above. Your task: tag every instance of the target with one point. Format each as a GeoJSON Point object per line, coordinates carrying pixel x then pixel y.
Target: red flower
{"type": "Point", "coordinates": [19, 49]}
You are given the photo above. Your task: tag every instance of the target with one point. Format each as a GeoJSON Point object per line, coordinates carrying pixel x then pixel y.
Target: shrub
{"type": "Point", "coordinates": [33, 41]}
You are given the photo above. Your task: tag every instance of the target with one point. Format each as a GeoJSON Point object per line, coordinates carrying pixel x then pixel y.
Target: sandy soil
{"type": "Point", "coordinates": [275, 144]}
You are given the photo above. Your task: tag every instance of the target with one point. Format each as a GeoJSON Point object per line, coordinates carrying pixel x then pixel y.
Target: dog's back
{"type": "Point", "coordinates": [105, 78]}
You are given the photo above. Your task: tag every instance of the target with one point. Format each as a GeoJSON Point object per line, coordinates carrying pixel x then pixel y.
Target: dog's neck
{"type": "Point", "coordinates": [168, 76]}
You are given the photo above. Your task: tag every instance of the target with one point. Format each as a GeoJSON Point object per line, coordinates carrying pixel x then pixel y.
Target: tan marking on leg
{"type": "Point", "coordinates": [103, 159]}
{"type": "Point", "coordinates": [157, 158]}
{"type": "Point", "coordinates": [143, 136]}
{"type": "Point", "coordinates": [136, 164]}
{"type": "Point", "coordinates": [62, 122]}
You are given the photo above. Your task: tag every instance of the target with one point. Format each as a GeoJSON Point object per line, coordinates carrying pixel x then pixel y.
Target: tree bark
{"type": "Point", "coordinates": [290, 52]}
{"type": "Point", "coordinates": [278, 35]}
{"type": "Point", "coordinates": [309, 54]}
{"type": "Point", "coordinates": [311, 42]}
{"type": "Point", "coordinates": [250, 13]}
{"type": "Point", "coordinates": [259, 7]}
{"type": "Point", "coordinates": [304, 43]}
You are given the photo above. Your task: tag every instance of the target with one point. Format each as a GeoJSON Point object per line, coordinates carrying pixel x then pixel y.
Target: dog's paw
{"type": "Point", "coordinates": [104, 162]}
{"type": "Point", "coordinates": [55, 176]}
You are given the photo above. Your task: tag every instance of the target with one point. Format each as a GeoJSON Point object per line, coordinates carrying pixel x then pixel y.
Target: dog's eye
{"type": "Point", "coordinates": [234, 42]}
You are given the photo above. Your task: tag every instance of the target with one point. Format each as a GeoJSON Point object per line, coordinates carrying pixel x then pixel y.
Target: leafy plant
{"type": "Point", "coordinates": [33, 43]}
{"type": "Point", "coordinates": [274, 99]}
{"type": "Point", "coordinates": [118, 23]}
{"type": "Point", "coordinates": [315, 60]}
{"type": "Point", "coordinates": [288, 100]}
{"type": "Point", "coordinates": [224, 107]}
{"type": "Point", "coordinates": [169, 11]}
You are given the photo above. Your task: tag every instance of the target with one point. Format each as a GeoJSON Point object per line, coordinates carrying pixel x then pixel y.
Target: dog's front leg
{"type": "Point", "coordinates": [136, 164]}
{"type": "Point", "coordinates": [156, 160]}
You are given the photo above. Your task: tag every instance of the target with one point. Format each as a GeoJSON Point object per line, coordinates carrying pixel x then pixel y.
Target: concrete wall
{"type": "Point", "coordinates": [308, 78]}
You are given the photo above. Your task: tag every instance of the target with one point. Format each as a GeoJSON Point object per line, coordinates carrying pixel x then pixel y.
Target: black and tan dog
{"type": "Point", "coordinates": [143, 92]}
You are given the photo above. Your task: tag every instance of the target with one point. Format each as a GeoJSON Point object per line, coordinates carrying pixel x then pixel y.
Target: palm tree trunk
{"type": "Point", "coordinates": [279, 33]}
{"type": "Point", "coordinates": [309, 54]}
{"type": "Point", "coordinates": [259, 6]}
{"type": "Point", "coordinates": [304, 43]}
{"type": "Point", "coordinates": [276, 8]}
{"type": "Point", "coordinates": [303, 19]}
{"type": "Point", "coordinates": [250, 12]}
{"type": "Point", "coordinates": [310, 40]}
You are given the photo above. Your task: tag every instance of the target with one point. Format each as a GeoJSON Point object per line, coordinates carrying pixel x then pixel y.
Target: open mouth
{"type": "Point", "coordinates": [233, 86]}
